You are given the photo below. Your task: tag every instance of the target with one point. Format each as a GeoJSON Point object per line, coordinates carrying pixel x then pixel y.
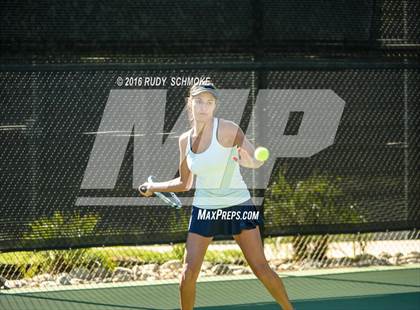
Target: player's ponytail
{"type": "Point", "coordinates": [189, 110]}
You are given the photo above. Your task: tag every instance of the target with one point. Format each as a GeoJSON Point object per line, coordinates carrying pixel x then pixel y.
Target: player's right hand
{"type": "Point", "coordinates": [145, 189]}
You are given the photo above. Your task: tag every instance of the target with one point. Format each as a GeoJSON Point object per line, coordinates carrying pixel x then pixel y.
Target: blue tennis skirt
{"type": "Point", "coordinates": [225, 221]}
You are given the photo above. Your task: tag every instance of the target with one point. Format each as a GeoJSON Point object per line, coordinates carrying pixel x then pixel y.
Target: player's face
{"type": "Point", "coordinates": [203, 106]}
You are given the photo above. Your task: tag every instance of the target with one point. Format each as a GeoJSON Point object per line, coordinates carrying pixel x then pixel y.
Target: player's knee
{"type": "Point", "coordinates": [262, 271]}
{"type": "Point", "coordinates": [189, 275]}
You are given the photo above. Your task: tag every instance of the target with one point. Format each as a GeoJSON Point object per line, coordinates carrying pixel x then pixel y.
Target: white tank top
{"type": "Point", "coordinates": [219, 183]}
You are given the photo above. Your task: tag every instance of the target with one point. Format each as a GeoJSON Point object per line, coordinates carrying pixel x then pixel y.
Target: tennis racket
{"type": "Point", "coordinates": [169, 198]}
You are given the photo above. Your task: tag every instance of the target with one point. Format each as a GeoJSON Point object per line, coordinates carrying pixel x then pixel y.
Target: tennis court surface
{"type": "Point", "coordinates": [368, 288]}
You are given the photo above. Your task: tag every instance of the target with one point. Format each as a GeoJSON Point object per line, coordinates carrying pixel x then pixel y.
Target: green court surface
{"type": "Point", "coordinates": [384, 288]}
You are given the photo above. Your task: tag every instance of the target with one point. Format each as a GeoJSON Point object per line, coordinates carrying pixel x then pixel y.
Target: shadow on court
{"type": "Point", "coordinates": [373, 290]}
{"type": "Point", "coordinates": [406, 301]}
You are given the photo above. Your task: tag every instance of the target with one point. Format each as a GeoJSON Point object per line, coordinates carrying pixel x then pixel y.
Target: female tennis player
{"type": "Point", "coordinates": [212, 151]}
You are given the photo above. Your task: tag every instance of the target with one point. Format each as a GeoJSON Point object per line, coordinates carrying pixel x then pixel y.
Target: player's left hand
{"type": "Point", "coordinates": [246, 160]}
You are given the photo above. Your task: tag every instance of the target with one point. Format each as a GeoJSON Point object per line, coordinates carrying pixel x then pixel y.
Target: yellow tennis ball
{"type": "Point", "coordinates": [261, 153]}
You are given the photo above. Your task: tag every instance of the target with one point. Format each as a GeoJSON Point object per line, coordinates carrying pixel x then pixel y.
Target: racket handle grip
{"type": "Point", "coordinates": [143, 189]}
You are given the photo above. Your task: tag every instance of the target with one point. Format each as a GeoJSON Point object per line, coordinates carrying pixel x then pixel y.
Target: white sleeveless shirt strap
{"type": "Point", "coordinates": [215, 127]}
{"type": "Point", "coordinates": [187, 151]}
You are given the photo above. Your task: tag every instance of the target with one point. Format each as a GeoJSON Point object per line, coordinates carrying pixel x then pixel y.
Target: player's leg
{"type": "Point", "coordinates": [195, 250]}
{"type": "Point", "coordinates": [250, 242]}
